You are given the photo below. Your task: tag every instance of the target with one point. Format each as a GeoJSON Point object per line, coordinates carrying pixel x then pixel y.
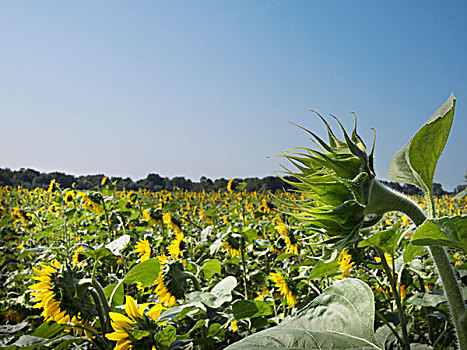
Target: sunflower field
{"type": "Point", "coordinates": [109, 269]}
{"type": "Point", "coordinates": [187, 269]}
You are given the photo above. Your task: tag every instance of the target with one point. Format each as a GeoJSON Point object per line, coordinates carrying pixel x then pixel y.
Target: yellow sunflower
{"type": "Point", "coordinates": [284, 289]}
{"type": "Point", "coordinates": [171, 282]}
{"type": "Point", "coordinates": [229, 185]}
{"type": "Point", "coordinates": [144, 250]}
{"type": "Point", "coordinates": [174, 247]}
{"type": "Point", "coordinates": [77, 257]}
{"type": "Point", "coordinates": [62, 299]}
{"type": "Point", "coordinates": [137, 330]}
{"type": "Point", "coordinates": [290, 241]}
{"type": "Point", "coordinates": [44, 294]}
{"type": "Point", "coordinates": [344, 263]}
{"type": "Point", "coordinates": [233, 252]}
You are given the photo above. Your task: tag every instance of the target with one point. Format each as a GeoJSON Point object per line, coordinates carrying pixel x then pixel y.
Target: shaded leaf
{"type": "Point", "coordinates": [244, 308]}
{"type": "Point", "coordinates": [431, 298]}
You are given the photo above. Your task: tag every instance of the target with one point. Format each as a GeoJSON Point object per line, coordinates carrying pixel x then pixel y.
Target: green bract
{"type": "Point", "coordinates": [335, 185]}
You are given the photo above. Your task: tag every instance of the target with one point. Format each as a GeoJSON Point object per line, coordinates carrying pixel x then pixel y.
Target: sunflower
{"type": "Point", "coordinates": [233, 252]}
{"type": "Point", "coordinates": [174, 247]}
{"type": "Point", "coordinates": [144, 250]}
{"type": "Point", "coordinates": [137, 330]}
{"type": "Point", "coordinates": [284, 289]}
{"type": "Point", "coordinates": [69, 196]}
{"type": "Point", "coordinates": [290, 241]}
{"type": "Point", "coordinates": [170, 285]}
{"type": "Point", "coordinates": [153, 217]}
{"type": "Point", "coordinates": [60, 295]}
{"type": "Point", "coordinates": [337, 186]}
{"type": "Point", "coordinates": [229, 185]}
{"type": "Point", "coordinates": [344, 263]}
{"type": "Point", "coordinates": [77, 257]}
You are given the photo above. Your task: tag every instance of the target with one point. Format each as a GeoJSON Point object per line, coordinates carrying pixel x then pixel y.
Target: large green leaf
{"type": "Point", "coordinates": [145, 272]}
{"type": "Point", "coordinates": [210, 267]}
{"type": "Point", "coordinates": [322, 269]}
{"type": "Point", "coordinates": [447, 231]}
{"type": "Point", "coordinates": [416, 162]}
{"type": "Point", "coordinates": [340, 318]}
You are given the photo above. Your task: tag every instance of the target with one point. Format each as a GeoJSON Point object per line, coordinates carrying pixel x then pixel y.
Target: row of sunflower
{"type": "Point", "coordinates": [107, 269]}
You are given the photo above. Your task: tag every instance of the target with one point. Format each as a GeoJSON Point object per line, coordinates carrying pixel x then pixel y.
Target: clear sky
{"type": "Point", "coordinates": [207, 88]}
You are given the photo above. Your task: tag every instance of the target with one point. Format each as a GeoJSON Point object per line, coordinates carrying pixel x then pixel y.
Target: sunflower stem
{"type": "Point", "coordinates": [103, 307]}
{"type": "Point", "coordinates": [397, 299]}
{"type": "Point", "coordinates": [384, 200]}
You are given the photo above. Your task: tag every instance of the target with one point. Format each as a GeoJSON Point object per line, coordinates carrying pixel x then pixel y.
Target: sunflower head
{"type": "Point", "coordinates": [137, 329]}
{"type": "Point", "coordinates": [333, 184]}
{"type": "Point", "coordinates": [174, 278]}
{"type": "Point", "coordinates": [73, 295]}
{"type": "Point", "coordinates": [61, 295]}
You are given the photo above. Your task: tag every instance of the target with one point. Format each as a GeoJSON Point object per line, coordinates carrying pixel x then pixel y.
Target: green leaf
{"type": "Point", "coordinates": [448, 231]}
{"type": "Point", "coordinates": [412, 251]}
{"type": "Point", "coordinates": [284, 256]}
{"type": "Point", "coordinates": [48, 330]}
{"type": "Point", "coordinates": [264, 309]}
{"type": "Point", "coordinates": [97, 254]}
{"type": "Point", "coordinates": [118, 295]}
{"type": "Point", "coordinates": [416, 162]}
{"type": "Point", "coordinates": [210, 267]}
{"type": "Point", "coordinates": [386, 240]}
{"type": "Point", "coordinates": [145, 272]}
{"type": "Point", "coordinates": [167, 336]}
{"type": "Point", "coordinates": [244, 308]}
{"type": "Point", "coordinates": [33, 342]}
{"type": "Point", "coordinates": [137, 334]}
{"type": "Point", "coordinates": [223, 290]}
{"type": "Point", "coordinates": [251, 234]}
{"type": "Point", "coordinates": [431, 298]}
{"type": "Point", "coordinates": [177, 313]}
{"type": "Point", "coordinates": [322, 269]}
{"type": "Point", "coordinates": [341, 317]}
{"type": "Point", "coordinates": [213, 328]}
{"type": "Point", "coordinates": [206, 298]}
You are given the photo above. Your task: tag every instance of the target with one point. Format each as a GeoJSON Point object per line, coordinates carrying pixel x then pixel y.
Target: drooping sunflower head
{"type": "Point", "coordinates": [333, 184]}
{"type": "Point", "coordinates": [171, 283]}
{"type": "Point", "coordinates": [61, 295]}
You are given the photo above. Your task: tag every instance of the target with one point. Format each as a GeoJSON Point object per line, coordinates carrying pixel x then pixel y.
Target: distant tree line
{"type": "Point", "coordinates": [29, 178]}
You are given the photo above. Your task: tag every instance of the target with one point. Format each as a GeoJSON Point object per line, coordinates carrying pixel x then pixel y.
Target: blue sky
{"type": "Point", "coordinates": [207, 88]}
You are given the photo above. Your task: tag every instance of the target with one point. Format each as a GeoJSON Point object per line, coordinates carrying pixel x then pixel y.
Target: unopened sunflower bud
{"type": "Point", "coordinates": [334, 183]}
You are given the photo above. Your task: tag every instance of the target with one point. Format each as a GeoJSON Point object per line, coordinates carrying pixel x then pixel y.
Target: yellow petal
{"type": "Point", "coordinates": [119, 321]}
{"type": "Point", "coordinates": [131, 308]}
{"type": "Point", "coordinates": [155, 312]}
{"type": "Point", "coordinates": [117, 336]}
{"type": "Point", "coordinates": [123, 345]}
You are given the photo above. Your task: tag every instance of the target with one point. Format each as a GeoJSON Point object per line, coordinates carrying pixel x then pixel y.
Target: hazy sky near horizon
{"type": "Point", "coordinates": [207, 88]}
